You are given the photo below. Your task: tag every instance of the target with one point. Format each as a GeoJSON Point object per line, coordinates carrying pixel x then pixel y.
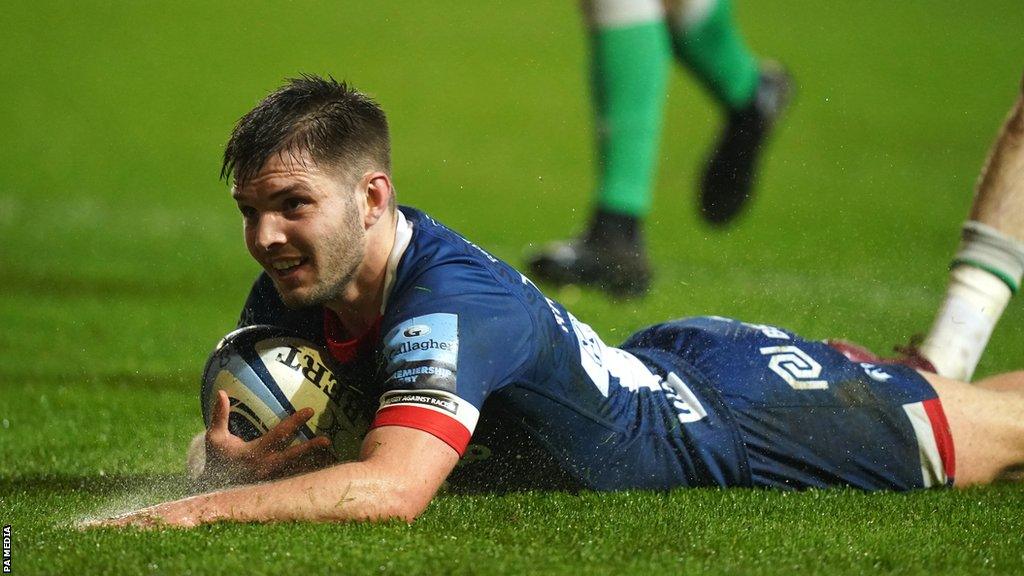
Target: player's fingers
{"type": "Point", "coordinates": [319, 458]}
{"type": "Point", "coordinates": [281, 435]}
{"type": "Point", "coordinates": [289, 461]}
{"type": "Point", "coordinates": [219, 415]}
{"type": "Point", "coordinates": [307, 456]}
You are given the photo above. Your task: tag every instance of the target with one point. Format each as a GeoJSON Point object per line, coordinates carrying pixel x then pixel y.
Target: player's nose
{"type": "Point", "coordinates": [269, 233]}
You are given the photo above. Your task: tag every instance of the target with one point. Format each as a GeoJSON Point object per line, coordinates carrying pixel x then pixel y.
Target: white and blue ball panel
{"type": "Point", "coordinates": [245, 366]}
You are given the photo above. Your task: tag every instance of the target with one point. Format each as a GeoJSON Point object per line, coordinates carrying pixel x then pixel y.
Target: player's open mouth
{"type": "Point", "coordinates": [287, 267]}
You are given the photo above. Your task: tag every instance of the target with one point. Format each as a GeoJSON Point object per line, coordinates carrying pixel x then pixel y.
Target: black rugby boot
{"type": "Point", "coordinates": [609, 256]}
{"type": "Point", "coordinates": [728, 179]}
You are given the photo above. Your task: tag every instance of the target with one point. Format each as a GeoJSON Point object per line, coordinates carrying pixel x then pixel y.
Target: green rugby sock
{"type": "Point", "coordinates": [629, 69]}
{"type": "Point", "coordinates": [711, 47]}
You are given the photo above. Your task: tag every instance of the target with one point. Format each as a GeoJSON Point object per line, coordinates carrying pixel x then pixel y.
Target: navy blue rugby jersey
{"type": "Point", "coordinates": [469, 350]}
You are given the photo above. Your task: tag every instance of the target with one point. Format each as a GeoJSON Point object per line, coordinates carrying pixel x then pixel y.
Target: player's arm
{"type": "Point", "coordinates": [399, 472]}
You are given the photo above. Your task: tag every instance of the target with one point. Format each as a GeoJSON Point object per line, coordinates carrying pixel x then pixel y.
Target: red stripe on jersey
{"type": "Point", "coordinates": [943, 438]}
{"type": "Point", "coordinates": [343, 350]}
{"type": "Point", "coordinates": [448, 429]}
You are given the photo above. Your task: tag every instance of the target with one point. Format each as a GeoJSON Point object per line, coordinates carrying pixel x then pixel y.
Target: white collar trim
{"type": "Point", "coordinates": [403, 236]}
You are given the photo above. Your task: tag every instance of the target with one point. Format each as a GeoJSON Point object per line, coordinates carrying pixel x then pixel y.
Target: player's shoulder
{"type": "Point", "coordinates": [441, 263]}
{"type": "Point", "coordinates": [447, 288]}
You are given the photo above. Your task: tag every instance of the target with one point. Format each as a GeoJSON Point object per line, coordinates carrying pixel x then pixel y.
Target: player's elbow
{"type": "Point", "coordinates": [407, 514]}
{"type": "Point", "coordinates": [379, 500]}
{"type": "Point", "coordinates": [406, 496]}
{"type": "Point", "coordinates": [387, 504]}
{"type": "Point", "coordinates": [407, 501]}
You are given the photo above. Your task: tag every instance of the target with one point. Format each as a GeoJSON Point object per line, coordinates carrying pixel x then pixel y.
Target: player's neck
{"type": "Point", "coordinates": [359, 306]}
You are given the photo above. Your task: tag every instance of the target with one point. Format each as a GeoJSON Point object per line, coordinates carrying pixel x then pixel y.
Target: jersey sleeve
{"type": "Point", "coordinates": [443, 357]}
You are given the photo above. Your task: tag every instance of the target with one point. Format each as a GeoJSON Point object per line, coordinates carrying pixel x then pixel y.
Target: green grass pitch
{"type": "Point", "coordinates": [121, 261]}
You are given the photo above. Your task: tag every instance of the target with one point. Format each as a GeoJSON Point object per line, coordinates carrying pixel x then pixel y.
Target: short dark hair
{"type": "Point", "coordinates": [337, 126]}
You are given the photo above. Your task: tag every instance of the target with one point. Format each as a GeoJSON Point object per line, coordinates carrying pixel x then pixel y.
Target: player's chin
{"type": "Point", "coordinates": [297, 299]}
{"type": "Point", "coordinates": [295, 296]}
{"type": "Point", "coordinates": [296, 289]}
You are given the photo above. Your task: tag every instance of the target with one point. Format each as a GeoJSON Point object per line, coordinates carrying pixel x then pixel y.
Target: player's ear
{"type": "Point", "coordinates": [378, 197]}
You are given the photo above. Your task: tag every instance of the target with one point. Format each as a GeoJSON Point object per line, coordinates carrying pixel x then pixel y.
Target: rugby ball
{"type": "Point", "coordinates": [270, 373]}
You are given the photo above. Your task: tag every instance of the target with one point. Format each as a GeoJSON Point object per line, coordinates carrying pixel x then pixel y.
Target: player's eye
{"type": "Point", "coordinates": [249, 213]}
{"type": "Point", "coordinates": [291, 204]}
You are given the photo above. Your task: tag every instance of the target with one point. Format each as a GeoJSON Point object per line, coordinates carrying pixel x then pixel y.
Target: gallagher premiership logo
{"type": "Point", "coordinates": [406, 347]}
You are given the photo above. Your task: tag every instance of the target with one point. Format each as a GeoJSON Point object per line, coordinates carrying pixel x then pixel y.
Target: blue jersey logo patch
{"type": "Point", "coordinates": [423, 353]}
{"type": "Point", "coordinates": [417, 330]}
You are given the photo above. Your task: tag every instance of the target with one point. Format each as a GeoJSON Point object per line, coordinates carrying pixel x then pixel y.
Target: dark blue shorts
{"type": "Point", "coordinates": [805, 415]}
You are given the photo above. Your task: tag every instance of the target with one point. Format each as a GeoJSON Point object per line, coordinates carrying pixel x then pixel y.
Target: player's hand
{"type": "Point", "coordinates": [184, 513]}
{"type": "Point", "coordinates": [145, 519]}
{"type": "Point", "coordinates": [229, 459]}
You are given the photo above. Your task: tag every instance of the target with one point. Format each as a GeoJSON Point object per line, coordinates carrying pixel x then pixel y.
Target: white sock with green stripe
{"type": "Point", "coordinates": [986, 248]}
{"type": "Point", "coordinates": [986, 272]}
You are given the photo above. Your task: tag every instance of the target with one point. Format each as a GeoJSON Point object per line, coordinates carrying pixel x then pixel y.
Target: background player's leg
{"type": "Point", "coordinates": [630, 53]}
{"type": "Point", "coordinates": [629, 50]}
{"type": "Point", "coordinates": [708, 43]}
{"type": "Point", "coordinates": [987, 428]}
{"type": "Point", "coordinates": [989, 264]}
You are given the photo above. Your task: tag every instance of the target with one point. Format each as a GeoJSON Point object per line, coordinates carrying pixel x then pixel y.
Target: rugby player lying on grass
{"type": "Point", "coordinates": [452, 344]}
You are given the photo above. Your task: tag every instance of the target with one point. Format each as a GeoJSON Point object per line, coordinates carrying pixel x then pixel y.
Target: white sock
{"type": "Point", "coordinates": [605, 14]}
{"type": "Point", "coordinates": [975, 299]}
{"type": "Point", "coordinates": [692, 13]}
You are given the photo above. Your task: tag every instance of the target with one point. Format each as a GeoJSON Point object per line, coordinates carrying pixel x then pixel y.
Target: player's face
{"type": "Point", "coordinates": [304, 227]}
